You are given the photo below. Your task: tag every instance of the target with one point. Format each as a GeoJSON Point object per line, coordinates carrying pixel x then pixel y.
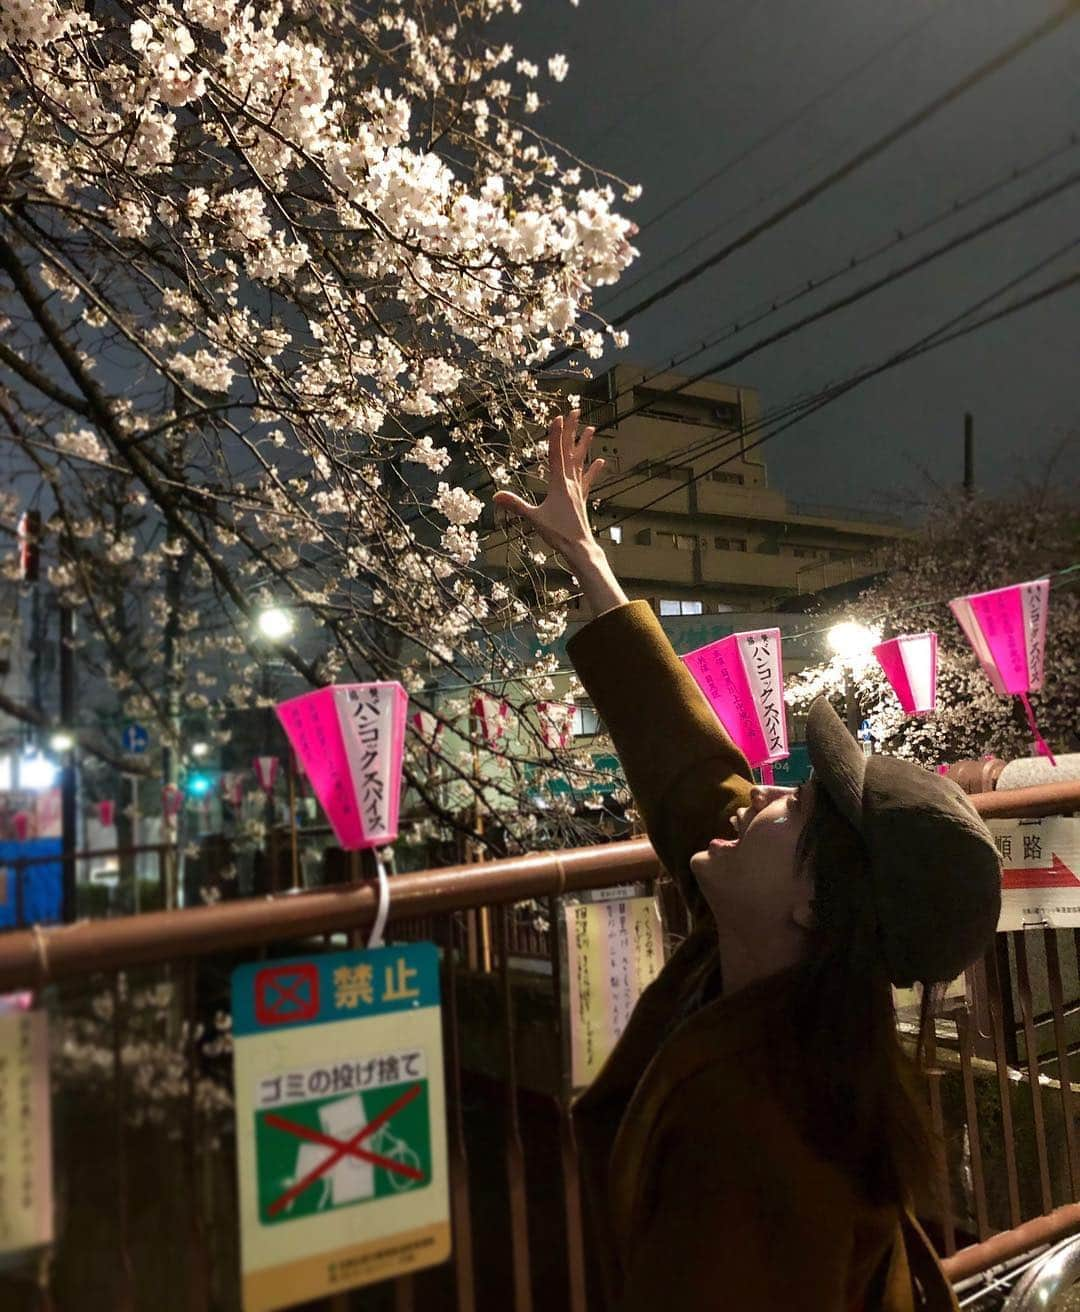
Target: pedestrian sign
{"type": "Point", "coordinates": [135, 739]}
{"type": "Point", "coordinates": [341, 1133]}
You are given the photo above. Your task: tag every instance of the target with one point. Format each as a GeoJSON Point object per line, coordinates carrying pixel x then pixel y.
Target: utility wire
{"type": "Point", "coordinates": [957, 207]}
{"type": "Point", "coordinates": [794, 412]}
{"type": "Point", "coordinates": [1004, 57]}
{"type": "Point", "coordinates": [767, 138]}
{"type": "Point", "coordinates": [806, 288]}
{"type": "Point", "coordinates": [941, 337]}
{"type": "Point", "coordinates": [857, 294]}
{"type": "Point", "coordinates": [716, 367]}
{"type": "Point", "coordinates": [1059, 578]}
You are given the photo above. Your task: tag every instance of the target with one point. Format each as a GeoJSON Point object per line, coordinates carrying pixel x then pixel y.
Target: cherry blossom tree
{"type": "Point", "coordinates": [276, 284]}
{"type": "Point", "coordinates": [969, 545]}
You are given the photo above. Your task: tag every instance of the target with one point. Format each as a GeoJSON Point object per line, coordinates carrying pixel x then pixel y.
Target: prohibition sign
{"type": "Point", "coordinates": [343, 1148]}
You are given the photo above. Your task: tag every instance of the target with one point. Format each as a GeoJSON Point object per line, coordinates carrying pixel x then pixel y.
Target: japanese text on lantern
{"type": "Point", "coordinates": [763, 659]}
{"type": "Point", "coordinates": [1034, 596]}
{"type": "Point", "coordinates": [368, 708]}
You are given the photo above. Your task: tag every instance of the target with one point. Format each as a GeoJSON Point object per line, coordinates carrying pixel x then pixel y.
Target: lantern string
{"type": "Point", "coordinates": [376, 939]}
{"type": "Point", "coordinates": [1040, 741]}
{"type": "Point", "coordinates": [1065, 577]}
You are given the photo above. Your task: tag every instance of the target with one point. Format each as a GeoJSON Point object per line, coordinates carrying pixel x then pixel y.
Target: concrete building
{"type": "Point", "coordinates": [687, 514]}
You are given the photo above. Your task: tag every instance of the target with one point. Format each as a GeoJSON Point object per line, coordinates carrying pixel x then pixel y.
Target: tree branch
{"type": "Point", "coordinates": [26, 715]}
{"type": "Point", "coordinates": [32, 375]}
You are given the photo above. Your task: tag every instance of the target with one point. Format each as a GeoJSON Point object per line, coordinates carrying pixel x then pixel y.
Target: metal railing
{"type": "Point", "coordinates": [142, 1102]}
{"type": "Point", "coordinates": [19, 871]}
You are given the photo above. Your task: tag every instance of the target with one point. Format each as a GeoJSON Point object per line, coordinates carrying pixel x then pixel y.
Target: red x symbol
{"type": "Point", "coordinates": [286, 994]}
{"type": "Point", "coordinates": [342, 1148]}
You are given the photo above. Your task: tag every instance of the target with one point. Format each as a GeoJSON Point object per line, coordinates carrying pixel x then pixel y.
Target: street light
{"type": "Point", "coordinates": [61, 741]}
{"type": "Point", "coordinates": [37, 772]}
{"type": "Point", "coordinates": [199, 750]}
{"type": "Point", "coordinates": [275, 624]}
{"type": "Point", "coordinates": [854, 644]}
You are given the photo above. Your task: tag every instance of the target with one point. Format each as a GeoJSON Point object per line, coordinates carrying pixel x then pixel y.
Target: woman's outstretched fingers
{"type": "Point", "coordinates": [556, 439]}
{"type": "Point", "coordinates": [516, 505]}
{"type": "Point", "coordinates": [593, 472]}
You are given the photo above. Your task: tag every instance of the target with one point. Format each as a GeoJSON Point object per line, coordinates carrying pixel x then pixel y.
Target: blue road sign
{"type": "Point", "coordinates": [135, 739]}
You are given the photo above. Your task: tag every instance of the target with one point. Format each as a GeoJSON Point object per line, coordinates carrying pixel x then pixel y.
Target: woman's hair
{"type": "Point", "coordinates": [864, 1107]}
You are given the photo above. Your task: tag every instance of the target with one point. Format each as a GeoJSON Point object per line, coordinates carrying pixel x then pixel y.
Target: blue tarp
{"type": "Point", "coordinates": [42, 883]}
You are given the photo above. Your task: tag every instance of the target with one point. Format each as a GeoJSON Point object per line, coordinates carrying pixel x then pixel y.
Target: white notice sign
{"type": "Point", "coordinates": [1040, 881]}
{"type": "Point", "coordinates": [26, 1203]}
{"type": "Point", "coordinates": [614, 950]}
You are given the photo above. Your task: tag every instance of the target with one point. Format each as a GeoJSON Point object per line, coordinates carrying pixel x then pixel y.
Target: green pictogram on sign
{"type": "Point", "coordinates": [342, 1150]}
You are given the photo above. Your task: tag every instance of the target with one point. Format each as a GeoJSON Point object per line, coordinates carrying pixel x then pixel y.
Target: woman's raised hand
{"type": "Point", "coordinates": [562, 518]}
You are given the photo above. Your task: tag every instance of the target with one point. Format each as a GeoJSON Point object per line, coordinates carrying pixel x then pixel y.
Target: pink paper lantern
{"type": "Point", "coordinates": [556, 724]}
{"type": "Point", "coordinates": [106, 814]}
{"type": "Point", "coordinates": [910, 665]}
{"type": "Point", "coordinates": [20, 822]}
{"type": "Point", "coordinates": [493, 716]}
{"type": "Point", "coordinates": [172, 801]}
{"type": "Point", "coordinates": [1007, 630]}
{"type": "Point", "coordinates": [266, 771]}
{"type": "Point", "coordinates": [350, 739]}
{"type": "Point", "coordinates": [743, 681]}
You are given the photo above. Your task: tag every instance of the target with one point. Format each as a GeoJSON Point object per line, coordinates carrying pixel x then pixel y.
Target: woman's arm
{"type": "Point", "coordinates": [685, 773]}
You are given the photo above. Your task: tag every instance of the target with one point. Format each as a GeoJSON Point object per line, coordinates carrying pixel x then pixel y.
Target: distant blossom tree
{"type": "Point", "coordinates": [275, 283]}
{"type": "Point", "coordinates": [969, 545]}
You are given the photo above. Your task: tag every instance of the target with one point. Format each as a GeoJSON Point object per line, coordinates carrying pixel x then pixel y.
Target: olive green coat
{"type": "Point", "coordinates": [700, 1193]}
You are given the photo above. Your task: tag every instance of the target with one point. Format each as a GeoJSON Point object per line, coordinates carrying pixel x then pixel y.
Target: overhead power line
{"type": "Point", "coordinates": [810, 286]}
{"type": "Point", "coordinates": [851, 165]}
{"type": "Point", "coordinates": [940, 337]}
{"type": "Point", "coordinates": [793, 412]}
{"type": "Point", "coordinates": [858, 294]}
{"type": "Point", "coordinates": [796, 116]}
{"type": "Point", "coordinates": [1059, 578]}
{"type": "Point", "coordinates": [1014, 175]}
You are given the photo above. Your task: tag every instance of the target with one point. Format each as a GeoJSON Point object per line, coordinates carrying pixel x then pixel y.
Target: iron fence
{"type": "Point", "coordinates": [146, 1188]}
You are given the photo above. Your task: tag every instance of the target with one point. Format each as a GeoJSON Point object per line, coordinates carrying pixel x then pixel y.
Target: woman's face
{"type": "Point", "coordinates": [751, 878]}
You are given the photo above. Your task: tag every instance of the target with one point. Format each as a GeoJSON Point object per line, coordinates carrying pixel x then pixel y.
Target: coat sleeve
{"type": "Point", "coordinates": [686, 774]}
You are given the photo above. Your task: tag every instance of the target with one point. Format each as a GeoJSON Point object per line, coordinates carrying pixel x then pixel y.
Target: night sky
{"type": "Point", "coordinates": [664, 92]}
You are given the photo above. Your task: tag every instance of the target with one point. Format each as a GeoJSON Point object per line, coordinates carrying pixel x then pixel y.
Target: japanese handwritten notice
{"type": "Point", "coordinates": [26, 1202]}
{"type": "Point", "coordinates": [1040, 878]}
{"type": "Point", "coordinates": [743, 681]}
{"type": "Point", "coordinates": [340, 1122]}
{"type": "Point", "coordinates": [350, 740]}
{"type": "Point", "coordinates": [614, 950]}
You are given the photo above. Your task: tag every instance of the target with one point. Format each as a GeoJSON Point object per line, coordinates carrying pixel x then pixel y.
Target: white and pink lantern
{"type": "Point", "coordinates": [266, 771]}
{"type": "Point", "coordinates": [428, 728]}
{"type": "Point", "coordinates": [350, 740]}
{"type": "Point", "coordinates": [232, 787]}
{"type": "Point", "coordinates": [106, 811]}
{"type": "Point", "coordinates": [493, 716]}
{"type": "Point", "coordinates": [910, 665]}
{"type": "Point", "coordinates": [172, 801]}
{"type": "Point", "coordinates": [1007, 630]}
{"type": "Point", "coordinates": [556, 723]}
{"type": "Point", "coordinates": [742, 678]}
